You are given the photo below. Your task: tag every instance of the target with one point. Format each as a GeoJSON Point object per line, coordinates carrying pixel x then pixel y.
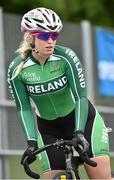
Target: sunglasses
{"type": "Point", "coordinates": [45, 36]}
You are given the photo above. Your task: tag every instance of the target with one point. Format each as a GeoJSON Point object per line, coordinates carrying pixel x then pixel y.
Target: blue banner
{"type": "Point", "coordinates": [105, 61]}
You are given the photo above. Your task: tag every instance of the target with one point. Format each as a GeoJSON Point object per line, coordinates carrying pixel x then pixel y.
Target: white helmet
{"type": "Point", "coordinates": [41, 19]}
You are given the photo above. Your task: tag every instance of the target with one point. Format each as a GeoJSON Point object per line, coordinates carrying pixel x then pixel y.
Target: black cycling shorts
{"type": "Point", "coordinates": [63, 128]}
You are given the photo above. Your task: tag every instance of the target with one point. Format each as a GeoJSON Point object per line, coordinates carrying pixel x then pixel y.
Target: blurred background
{"type": "Point", "coordinates": [89, 31]}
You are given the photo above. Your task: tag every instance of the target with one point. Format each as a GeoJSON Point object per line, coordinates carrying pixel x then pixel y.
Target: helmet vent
{"type": "Point", "coordinates": [28, 25]}
{"type": "Point", "coordinates": [27, 19]}
{"type": "Point", "coordinates": [53, 17]}
{"type": "Point", "coordinates": [38, 20]}
{"type": "Point", "coordinates": [46, 18]}
{"type": "Point", "coordinates": [52, 28]}
{"type": "Point", "coordinates": [42, 27]}
{"type": "Point", "coordinates": [46, 11]}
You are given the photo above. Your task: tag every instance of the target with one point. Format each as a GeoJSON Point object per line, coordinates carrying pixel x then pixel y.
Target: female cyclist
{"type": "Point", "coordinates": [52, 77]}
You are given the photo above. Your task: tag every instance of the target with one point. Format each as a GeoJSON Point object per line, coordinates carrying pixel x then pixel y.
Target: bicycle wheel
{"type": "Point", "coordinates": [62, 175]}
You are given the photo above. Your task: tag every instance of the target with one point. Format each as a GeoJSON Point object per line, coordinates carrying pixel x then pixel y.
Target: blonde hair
{"type": "Point", "coordinates": [23, 51]}
{"type": "Point", "coordinates": [25, 46]}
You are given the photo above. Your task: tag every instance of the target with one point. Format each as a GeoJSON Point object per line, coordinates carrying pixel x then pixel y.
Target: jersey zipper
{"type": "Point", "coordinates": [42, 67]}
{"type": "Point", "coordinates": [53, 105]}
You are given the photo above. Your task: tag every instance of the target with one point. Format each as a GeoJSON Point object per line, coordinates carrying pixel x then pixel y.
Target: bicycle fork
{"type": "Point", "coordinates": [69, 166]}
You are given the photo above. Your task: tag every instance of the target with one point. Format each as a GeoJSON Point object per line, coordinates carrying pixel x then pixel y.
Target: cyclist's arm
{"type": "Point", "coordinates": [76, 79]}
{"type": "Point", "coordinates": [23, 105]}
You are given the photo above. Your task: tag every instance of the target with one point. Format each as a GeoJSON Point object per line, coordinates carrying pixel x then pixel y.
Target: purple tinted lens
{"type": "Point", "coordinates": [46, 36]}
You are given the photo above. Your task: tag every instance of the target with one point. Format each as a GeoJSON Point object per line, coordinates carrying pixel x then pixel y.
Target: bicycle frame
{"type": "Point", "coordinates": [69, 166]}
{"type": "Point", "coordinates": [70, 169]}
{"type": "Point", "coordinates": [66, 145]}
{"type": "Point", "coordinates": [69, 172]}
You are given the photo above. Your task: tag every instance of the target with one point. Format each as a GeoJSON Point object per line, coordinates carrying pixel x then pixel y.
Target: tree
{"type": "Point", "coordinates": [98, 12]}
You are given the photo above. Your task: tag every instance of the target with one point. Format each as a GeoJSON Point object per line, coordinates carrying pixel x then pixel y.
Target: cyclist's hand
{"type": "Point", "coordinates": [32, 146]}
{"type": "Point", "coordinates": [79, 141]}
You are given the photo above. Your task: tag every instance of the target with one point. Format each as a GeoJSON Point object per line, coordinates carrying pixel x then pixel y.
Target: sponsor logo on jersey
{"type": "Point", "coordinates": [49, 86]}
{"type": "Point", "coordinates": [9, 83]}
{"type": "Point", "coordinates": [104, 135]}
{"type": "Point", "coordinates": [27, 77]}
{"type": "Point", "coordinates": [54, 67]}
{"type": "Point", "coordinates": [78, 67]}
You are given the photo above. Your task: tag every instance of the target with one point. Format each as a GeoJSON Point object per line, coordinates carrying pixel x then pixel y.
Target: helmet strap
{"type": "Point", "coordinates": [33, 43]}
{"type": "Point", "coordinates": [33, 46]}
{"type": "Point", "coordinates": [35, 49]}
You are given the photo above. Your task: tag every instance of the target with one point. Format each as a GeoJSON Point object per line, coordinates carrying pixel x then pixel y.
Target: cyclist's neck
{"type": "Point", "coordinates": [40, 57]}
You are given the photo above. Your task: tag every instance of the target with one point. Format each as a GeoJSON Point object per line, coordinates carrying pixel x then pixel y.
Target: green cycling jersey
{"type": "Point", "coordinates": [56, 88]}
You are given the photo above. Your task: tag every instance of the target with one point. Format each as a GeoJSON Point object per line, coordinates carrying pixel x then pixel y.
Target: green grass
{"type": "Point", "coordinates": [17, 172]}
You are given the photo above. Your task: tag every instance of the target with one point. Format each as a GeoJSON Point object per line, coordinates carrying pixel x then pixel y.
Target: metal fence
{"type": "Point", "coordinates": [76, 36]}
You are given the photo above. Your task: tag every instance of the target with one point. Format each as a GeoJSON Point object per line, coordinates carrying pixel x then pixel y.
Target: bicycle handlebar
{"type": "Point", "coordinates": [28, 170]}
{"type": "Point", "coordinates": [58, 143]}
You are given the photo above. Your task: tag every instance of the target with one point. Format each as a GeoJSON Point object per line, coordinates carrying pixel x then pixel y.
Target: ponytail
{"type": "Point", "coordinates": [23, 50]}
